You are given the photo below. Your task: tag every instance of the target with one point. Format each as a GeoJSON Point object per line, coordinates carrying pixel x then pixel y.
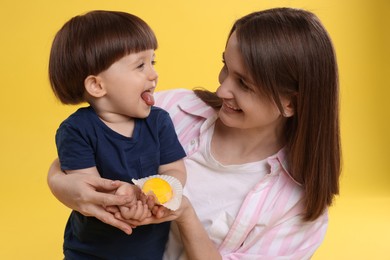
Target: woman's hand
{"type": "Point", "coordinates": [88, 194]}
{"type": "Point", "coordinates": [160, 214]}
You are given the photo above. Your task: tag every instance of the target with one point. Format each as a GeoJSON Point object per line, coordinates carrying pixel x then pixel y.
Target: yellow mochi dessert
{"type": "Point", "coordinates": [160, 188]}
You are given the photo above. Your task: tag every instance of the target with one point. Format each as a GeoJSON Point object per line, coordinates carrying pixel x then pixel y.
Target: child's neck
{"type": "Point", "coordinates": [121, 124]}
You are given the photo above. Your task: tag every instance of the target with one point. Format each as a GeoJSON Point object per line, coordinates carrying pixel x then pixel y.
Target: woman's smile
{"type": "Point", "coordinates": [230, 108]}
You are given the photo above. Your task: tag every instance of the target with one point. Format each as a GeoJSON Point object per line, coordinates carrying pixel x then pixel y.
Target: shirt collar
{"type": "Point", "coordinates": [193, 105]}
{"type": "Point", "coordinates": [280, 160]}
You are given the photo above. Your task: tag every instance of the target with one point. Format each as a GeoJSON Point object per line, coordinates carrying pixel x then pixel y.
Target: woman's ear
{"type": "Point", "coordinates": [94, 87]}
{"type": "Point", "coordinates": [288, 107]}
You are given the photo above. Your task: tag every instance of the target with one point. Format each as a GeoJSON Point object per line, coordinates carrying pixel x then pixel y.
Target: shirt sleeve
{"type": "Point", "coordinates": [188, 113]}
{"type": "Point", "coordinates": [170, 147]}
{"type": "Point", "coordinates": [74, 149]}
{"type": "Point", "coordinates": [270, 223]}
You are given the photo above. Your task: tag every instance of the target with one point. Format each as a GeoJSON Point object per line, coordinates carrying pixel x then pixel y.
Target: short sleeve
{"type": "Point", "coordinates": [170, 147]}
{"type": "Point", "coordinates": [74, 149]}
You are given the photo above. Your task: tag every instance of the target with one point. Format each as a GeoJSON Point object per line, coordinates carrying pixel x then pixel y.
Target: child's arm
{"type": "Point", "coordinates": [175, 169]}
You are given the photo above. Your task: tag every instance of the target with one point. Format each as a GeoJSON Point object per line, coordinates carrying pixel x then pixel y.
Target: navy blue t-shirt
{"type": "Point", "coordinates": [84, 141]}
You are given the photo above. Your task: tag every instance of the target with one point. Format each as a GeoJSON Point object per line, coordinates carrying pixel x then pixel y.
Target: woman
{"type": "Point", "coordinates": [263, 152]}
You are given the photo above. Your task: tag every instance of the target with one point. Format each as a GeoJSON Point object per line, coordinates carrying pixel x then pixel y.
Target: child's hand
{"type": "Point", "coordinates": [136, 208]}
{"type": "Point", "coordinates": [132, 192]}
{"type": "Point", "coordinates": [139, 211]}
{"type": "Point", "coordinates": [161, 214]}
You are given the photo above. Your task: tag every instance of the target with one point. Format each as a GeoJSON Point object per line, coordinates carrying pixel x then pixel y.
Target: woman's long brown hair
{"type": "Point", "coordinates": [290, 54]}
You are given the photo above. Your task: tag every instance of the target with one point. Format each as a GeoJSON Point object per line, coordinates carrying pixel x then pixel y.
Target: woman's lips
{"type": "Point", "coordinates": [231, 108]}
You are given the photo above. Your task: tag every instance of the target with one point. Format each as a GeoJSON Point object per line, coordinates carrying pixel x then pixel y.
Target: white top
{"type": "Point", "coordinates": [207, 179]}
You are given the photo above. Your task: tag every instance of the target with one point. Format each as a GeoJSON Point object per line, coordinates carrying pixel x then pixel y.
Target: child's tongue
{"type": "Point", "coordinates": [148, 98]}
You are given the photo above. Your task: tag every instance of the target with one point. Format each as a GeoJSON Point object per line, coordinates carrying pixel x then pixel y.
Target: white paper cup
{"type": "Point", "coordinates": [177, 189]}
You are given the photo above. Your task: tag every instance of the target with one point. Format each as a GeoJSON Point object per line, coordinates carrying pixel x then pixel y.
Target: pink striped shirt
{"type": "Point", "coordinates": [269, 223]}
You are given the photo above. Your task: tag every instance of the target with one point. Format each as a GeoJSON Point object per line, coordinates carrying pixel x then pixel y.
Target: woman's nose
{"type": "Point", "coordinates": [224, 89]}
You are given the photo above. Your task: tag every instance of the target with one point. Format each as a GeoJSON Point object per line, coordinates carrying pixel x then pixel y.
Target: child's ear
{"type": "Point", "coordinates": [94, 87]}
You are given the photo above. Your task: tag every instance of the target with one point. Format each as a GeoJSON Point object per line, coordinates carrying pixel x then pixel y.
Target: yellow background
{"type": "Point", "coordinates": [192, 34]}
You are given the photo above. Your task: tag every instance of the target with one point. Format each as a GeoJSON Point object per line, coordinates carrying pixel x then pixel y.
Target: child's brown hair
{"type": "Point", "coordinates": [89, 44]}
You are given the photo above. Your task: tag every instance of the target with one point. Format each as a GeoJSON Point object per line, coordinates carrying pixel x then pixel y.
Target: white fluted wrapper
{"type": "Point", "coordinates": [177, 189]}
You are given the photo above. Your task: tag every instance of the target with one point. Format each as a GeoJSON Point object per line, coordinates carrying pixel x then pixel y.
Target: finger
{"type": "Point", "coordinates": [161, 212]}
{"type": "Point", "coordinates": [128, 212]}
{"type": "Point", "coordinates": [143, 197]}
{"type": "Point", "coordinates": [150, 202]}
{"type": "Point", "coordinates": [148, 212]}
{"type": "Point", "coordinates": [145, 212]}
{"type": "Point", "coordinates": [112, 209]}
{"type": "Point", "coordinates": [106, 199]}
{"type": "Point", "coordinates": [155, 210]}
{"type": "Point", "coordinates": [136, 222]}
{"type": "Point", "coordinates": [140, 210]}
{"type": "Point", "coordinates": [109, 219]}
{"type": "Point", "coordinates": [102, 184]}
{"type": "Point", "coordinates": [119, 216]}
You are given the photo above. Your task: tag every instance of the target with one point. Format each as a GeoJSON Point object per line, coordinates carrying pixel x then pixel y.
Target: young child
{"type": "Point", "coordinates": [106, 58]}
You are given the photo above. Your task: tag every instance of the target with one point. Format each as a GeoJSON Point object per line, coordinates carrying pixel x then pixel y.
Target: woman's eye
{"type": "Point", "coordinates": [243, 84]}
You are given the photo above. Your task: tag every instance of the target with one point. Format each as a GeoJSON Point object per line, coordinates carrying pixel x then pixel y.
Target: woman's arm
{"type": "Point", "coordinates": [289, 238]}
{"type": "Point", "coordinates": [195, 239]}
{"type": "Point", "coordinates": [87, 194]}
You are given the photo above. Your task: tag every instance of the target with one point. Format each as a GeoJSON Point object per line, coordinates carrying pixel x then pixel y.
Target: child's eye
{"type": "Point", "coordinates": [141, 66]}
{"type": "Point", "coordinates": [154, 62]}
